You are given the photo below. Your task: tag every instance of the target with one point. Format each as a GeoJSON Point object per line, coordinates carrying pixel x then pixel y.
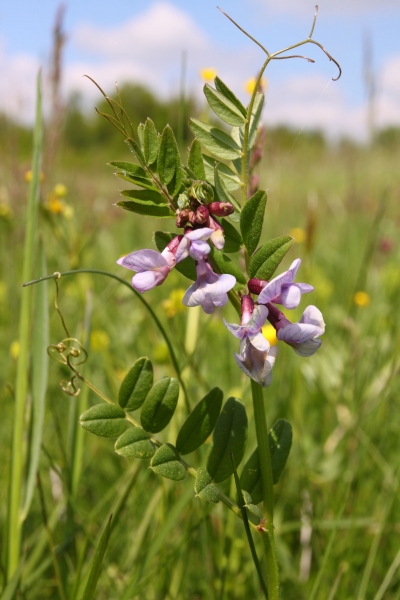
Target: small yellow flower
{"type": "Point", "coordinates": [173, 304]}
{"type": "Point", "coordinates": [250, 84]}
{"type": "Point", "coordinates": [68, 212]}
{"type": "Point", "coordinates": [5, 211]}
{"type": "Point", "coordinates": [55, 205]}
{"type": "Point", "coordinates": [14, 349]}
{"type": "Point", "coordinates": [99, 340]}
{"type": "Point", "coordinates": [28, 176]}
{"type": "Point", "coordinates": [208, 74]}
{"type": "Point", "coordinates": [298, 234]}
{"type": "Point", "coordinates": [270, 334]}
{"type": "Point", "coordinates": [60, 190]}
{"type": "Point", "coordinates": [362, 299]}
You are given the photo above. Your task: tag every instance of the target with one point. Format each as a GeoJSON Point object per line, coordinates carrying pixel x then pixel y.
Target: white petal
{"type": "Point", "coordinates": [259, 342]}
{"type": "Point", "coordinates": [307, 348]}
{"type": "Point", "coordinates": [143, 260]}
{"type": "Point", "coordinates": [313, 316]}
{"type": "Point", "coordinates": [298, 333]}
{"type": "Point", "coordinates": [199, 234]}
{"type": "Point", "coordinates": [146, 280]}
{"type": "Point", "coordinates": [290, 296]}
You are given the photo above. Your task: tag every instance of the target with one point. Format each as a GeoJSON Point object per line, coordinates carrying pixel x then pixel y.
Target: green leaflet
{"type": "Point", "coordinates": [229, 95]}
{"type": "Point", "coordinates": [252, 219]}
{"type": "Point", "coordinates": [140, 181]}
{"type": "Point", "coordinates": [134, 443]}
{"type": "Point", "coordinates": [216, 141]}
{"type": "Point", "coordinates": [187, 267]}
{"type": "Point", "coordinates": [204, 488]}
{"type": "Point", "coordinates": [140, 132]}
{"type": "Point", "coordinates": [229, 438]}
{"type": "Point", "coordinates": [175, 185]}
{"type": "Point", "coordinates": [166, 463]}
{"type": "Point", "coordinates": [168, 156]}
{"type": "Point", "coordinates": [130, 169]}
{"type": "Point", "coordinates": [104, 420]}
{"type": "Point", "coordinates": [160, 404]}
{"type": "Point", "coordinates": [136, 149]}
{"type": "Point", "coordinates": [200, 423]}
{"type": "Point", "coordinates": [223, 107]}
{"type": "Point", "coordinates": [249, 504]}
{"type": "Point", "coordinates": [233, 240]}
{"type": "Point", "coordinates": [144, 196]}
{"type": "Point", "coordinates": [147, 209]}
{"type": "Point", "coordinates": [227, 176]}
{"type": "Point", "coordinates": [90, 589]}
{"type": "Point", "coordinates": [136, 385]}
{"type": "Point", "coordinates": [255, 118]}
{"type": "Point", "coordinates": [150, 142]}
{"type": "Point", "coordinates": [195, 160]}
{"type": "Point", "coordinates": [222, 191]}
{"type": "Point", "coordinates": [226, 265]}
{"type": "Point", "coordinates": [268, 257]}
{"type": "Point", "coordinates": [280, 442]}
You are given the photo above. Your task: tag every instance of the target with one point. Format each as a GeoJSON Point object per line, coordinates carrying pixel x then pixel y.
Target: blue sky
{"type": "Point", "coordinates": [143, 40]}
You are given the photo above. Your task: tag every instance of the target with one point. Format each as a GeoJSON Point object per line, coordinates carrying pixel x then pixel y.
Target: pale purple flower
{"type": "Point", "coordinates": [196, 242]}
{"type": "Point", "coordinates": [209, 290]}
{"type": "Point", "coordinates": [283, 290]}
{"type": "Point", "coordinates": [256, 364]}
{"type": "Point", "coordinates": [253, 318]}
{"type": "Point", "coordinates": [304, 335]}
{"type": "Point", "coordinates": [152, 268]}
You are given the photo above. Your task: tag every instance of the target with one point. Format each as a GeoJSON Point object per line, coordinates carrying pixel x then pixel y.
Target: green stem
{"type": "Point", "coordinates": [272, 577]}
{"type": "Point", "coordinates": [145, 304]}
{"type": "Point", "coordinates": [21, 386]}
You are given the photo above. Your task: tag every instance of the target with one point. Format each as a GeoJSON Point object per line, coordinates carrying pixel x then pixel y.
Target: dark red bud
{"type": "Point", "coordinates": [256, 285]}
{"type": "Point", "coordinates": [247, 303]}
{"type": "Point", "coordinates": [221, 209]}
{"type": "Point", "coordinates": [182, 218]}
{"type": "Point", "coordinates": [201, 215]}
{"type": "Point", "coordinates": [194, 204]}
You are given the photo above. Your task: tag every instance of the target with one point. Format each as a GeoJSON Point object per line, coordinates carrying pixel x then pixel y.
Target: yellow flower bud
{"type": "Point", "coordinates": [361, 299]}
{"type": "Point", "coordinates": [60, 190]}
{"type": "Point", "coordinates": [208, 74]}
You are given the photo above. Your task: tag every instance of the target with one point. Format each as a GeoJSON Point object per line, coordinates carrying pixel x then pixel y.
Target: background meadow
{"type": "Point", "coordinates": [337, 503]}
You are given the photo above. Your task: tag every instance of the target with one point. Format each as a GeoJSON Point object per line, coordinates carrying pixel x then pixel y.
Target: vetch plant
{"type": "Point", "coordinates": [218, 210]}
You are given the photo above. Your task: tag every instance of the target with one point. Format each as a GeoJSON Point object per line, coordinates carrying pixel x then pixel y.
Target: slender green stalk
{"type": "Point", "coordinates": [21, 387]}
{"type": "Point", "coordinates": [142, 300]}
{"type": "Point", "coordinates": [272, 575]}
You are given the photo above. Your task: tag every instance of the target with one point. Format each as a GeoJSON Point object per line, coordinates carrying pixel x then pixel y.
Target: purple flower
{"type": "Point", "coordinates": [282, 290]}
{"type": "Point", "coordinates": [196, 242]}
{"type": "Point", "coordinates": [253, 318]}
{"type": "Point", "coordinates": [209, 290]}
{"type": "Point", "coordinates": [302, 336]}
{"type": "Point", "coordinates": [151, 267]}
{"type": "Point", "coordinates": [256, 364]}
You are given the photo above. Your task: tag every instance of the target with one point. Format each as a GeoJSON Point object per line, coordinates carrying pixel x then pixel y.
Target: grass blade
{"type": "Point", "coordinates": [247, 529]}
{"type": "Point", "coordinates": [97, 563]}
{"type": "Point", "coordinates": [40, 368]}
{"type": "Point", "coordinates": [21, 387]}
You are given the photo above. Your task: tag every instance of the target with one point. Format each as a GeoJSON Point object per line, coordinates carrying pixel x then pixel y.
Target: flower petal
{"type": "Point", "coordinates": [199, 234]}
{"type": "Point", "coordinates": [199, 250]}
{"type": "Point", "coordinates": [272, 289]}
{"type": "Point", "coordinates": [298, 333]}
{"type": "Point", "coordinates": [307, 348]}
{"type": "Point", "coordinates": [313, 316]}
{"type": "Point", "coordinates": [143, 260]}
{"type": "Point", "coordinates": [146, 280]}
{"type": "Point", "coordinates": [294, 267]}
{"type": "Point", "coordinates": [290, 296]}
{"type": "Point", "coordinates": [237, 330]}
{"type": "Point", "coordinates": [259, 342]}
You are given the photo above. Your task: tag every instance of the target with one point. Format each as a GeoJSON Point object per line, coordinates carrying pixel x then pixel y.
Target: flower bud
{"type": "Point", "coordinates": [221, 209]}
{"type": "Point", "coordinates": [182, 217]}
{"type": "Point", "coordinates": [201, 215]}
{"type": "Point", "coordinates": [256, 285]}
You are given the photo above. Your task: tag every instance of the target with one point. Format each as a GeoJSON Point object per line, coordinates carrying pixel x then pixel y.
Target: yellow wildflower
{"type": "Point", "coordinates": [270, 334]}
{"type": "Point", "coordinates": [60, 190]}
{"type": "Point", "coordinates": [298, 234]}
{"type": "Point", "coordinates": [99, 340]}
{"type": "Point", "coordinates": [250, 84]}
{"type": "Point", "coordinates": [208, 74]}
{"type": "Point", "coordinates": [14, 349]}
{"type": "Point", "coordinates": [362, 299]}
{"type": "Point", "coordinates": [28, 176]}
{"type": "Point", "coordinates": [173, 304]}
{"type": "Point", "coordinates": [5, 211]}
{"type": "Point", "coordinates": [55, 205]}
{"type": "Point", "coordinates": [68, 212]}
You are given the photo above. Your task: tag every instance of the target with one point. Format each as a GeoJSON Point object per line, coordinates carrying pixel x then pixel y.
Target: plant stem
{"type": "Point", "coordinates": [21, 387]}
{"type": "Point", "coordinates": [272, 577]}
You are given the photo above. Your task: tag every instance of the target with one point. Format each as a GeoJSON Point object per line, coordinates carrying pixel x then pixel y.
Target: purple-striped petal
{"type": "Point", "coordinates": [290, 296]}
{"type": "Point", "coordinates": [146, 280]}
{"type": "Point", "coordinates": [143, 260]}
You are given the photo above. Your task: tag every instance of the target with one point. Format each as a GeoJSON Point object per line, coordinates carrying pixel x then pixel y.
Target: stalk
{"type": "Point", "coordinates": [21, 386]}
{"type": "Point", "coordinates": [272, 571]}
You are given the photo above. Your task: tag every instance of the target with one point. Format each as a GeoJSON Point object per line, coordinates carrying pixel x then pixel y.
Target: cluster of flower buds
{"type": "Point", "coordinates": [256, 358]}
{"type": "Point", "coordinates": [196, 207]}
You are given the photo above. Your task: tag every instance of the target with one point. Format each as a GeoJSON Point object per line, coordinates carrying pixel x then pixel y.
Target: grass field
{"type": "Point", "coordinates": [337, 503]}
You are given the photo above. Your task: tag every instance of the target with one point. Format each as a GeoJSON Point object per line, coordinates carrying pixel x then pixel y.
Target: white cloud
{"type": "Point", "coordinates": [148, 50]}
{"type": "Point", "coordinates": [336, 7]}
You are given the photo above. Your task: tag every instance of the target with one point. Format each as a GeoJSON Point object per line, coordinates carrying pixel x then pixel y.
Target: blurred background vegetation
{"type": "Point", "coordinates": [337, 504]}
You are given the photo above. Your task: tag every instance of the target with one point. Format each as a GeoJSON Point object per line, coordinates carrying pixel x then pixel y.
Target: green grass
{"type": "Point", "coordinates": [343, 471]}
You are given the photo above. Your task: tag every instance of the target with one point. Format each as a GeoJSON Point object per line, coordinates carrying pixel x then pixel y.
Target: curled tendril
{"type": "Point", "coordinates": [69, 387]}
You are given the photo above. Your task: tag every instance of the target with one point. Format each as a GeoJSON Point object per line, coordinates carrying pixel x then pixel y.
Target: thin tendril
{"type": "Point", "coordinates": [244, 31]}
{"type": "Point", "coordinates": [310, 60]}
{"type": "Point", "coordinates": [314, 22]}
